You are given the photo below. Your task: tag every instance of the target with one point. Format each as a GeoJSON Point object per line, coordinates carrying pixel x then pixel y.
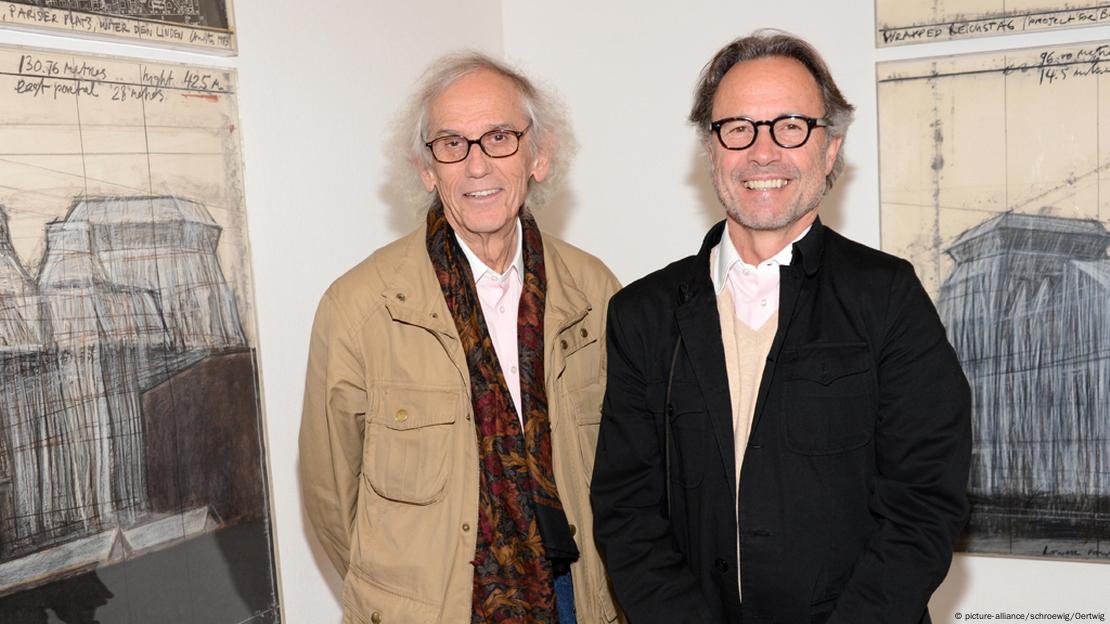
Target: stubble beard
{"type": "Point", "coordinates": [771, 222]}
{"type": "Point", "coordinates": [768, 222]}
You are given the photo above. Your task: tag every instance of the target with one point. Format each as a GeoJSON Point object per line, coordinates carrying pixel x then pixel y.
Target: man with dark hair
{"type": "Point", "coordinates": [454, 379]}
{"type": "Point", "coordinates": [786, 430]}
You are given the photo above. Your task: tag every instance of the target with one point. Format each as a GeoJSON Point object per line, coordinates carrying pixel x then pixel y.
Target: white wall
{"type": "Point", "coordinates": [627, 69]}
{"type": "Point", "coordinates": [319, 90]}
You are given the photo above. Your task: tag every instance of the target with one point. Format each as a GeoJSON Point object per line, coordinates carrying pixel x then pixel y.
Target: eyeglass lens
{"type": "Point", "coordinates": [495, 143]}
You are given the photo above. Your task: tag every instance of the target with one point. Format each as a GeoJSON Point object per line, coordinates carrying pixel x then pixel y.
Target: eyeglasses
{"type": "Point", "coordinates": [788, 131]}
{"type": "Point", "coordinates": [498, 143]}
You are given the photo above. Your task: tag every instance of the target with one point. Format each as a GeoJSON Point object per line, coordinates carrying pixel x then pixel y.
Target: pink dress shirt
{"type": "Point", "coordinates": [499, 294]}
{"type": "Point", "coordinates": [754, 289]}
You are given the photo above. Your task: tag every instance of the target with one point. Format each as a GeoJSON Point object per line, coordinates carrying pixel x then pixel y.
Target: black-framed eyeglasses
{"type": "Point", "coordinates": [787, 131]}
{"type": "Point", "coordinates": [497, 143]}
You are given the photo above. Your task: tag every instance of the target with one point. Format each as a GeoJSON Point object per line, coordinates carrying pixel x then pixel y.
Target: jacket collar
{"type": "Point", "coordinates": [412, 293]}
{"type": "Point", "coordinates": [807, 253]}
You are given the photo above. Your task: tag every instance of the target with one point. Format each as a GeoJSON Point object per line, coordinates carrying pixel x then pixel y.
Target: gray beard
{"type": "Point", "coordinates": [782, 223]}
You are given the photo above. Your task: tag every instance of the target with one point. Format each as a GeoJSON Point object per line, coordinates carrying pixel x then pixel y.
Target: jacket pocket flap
{"type": "Point", "coordinates": [406, 408]}
{"type": "Point", "coordinates": [826, 363]}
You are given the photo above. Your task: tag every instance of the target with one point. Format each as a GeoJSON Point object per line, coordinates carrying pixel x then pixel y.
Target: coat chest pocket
{"type": "Point", "coordinates": [587, 417]}
{"type": "Point", "coordinates": [692, 445]}
{"type": "Point", "coordinates": [828, 397]}
{"type": "Point", "coordinates": [408, 443]}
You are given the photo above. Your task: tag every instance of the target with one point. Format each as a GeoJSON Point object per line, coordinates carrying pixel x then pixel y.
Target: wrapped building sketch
{"type": "Point", "coordinates": [132, 461]}
{"type": "Point", "coordinates": [997, 199]}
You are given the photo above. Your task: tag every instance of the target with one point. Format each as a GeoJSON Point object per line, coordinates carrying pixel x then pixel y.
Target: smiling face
{"type": "Point", "coordinates": [481, 195]}
{"type": "Point", "coordinates": [767, 187]}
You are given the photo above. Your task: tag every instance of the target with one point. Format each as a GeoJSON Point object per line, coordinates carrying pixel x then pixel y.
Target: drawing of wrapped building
{"type": "Point", "coordinates": [1027, 309]}
{"type": "Point", "coordinates": [129, 295]}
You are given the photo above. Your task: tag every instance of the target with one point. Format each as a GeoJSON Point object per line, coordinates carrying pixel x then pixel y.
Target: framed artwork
{"type": "Point", "coordinates": [899, 22]}
{"type": "Point", "coordinates": [995, 183]}
{"type": "Point", "coordinates": [195, 25]}
{"type": "Point", "coordinates": [132, 461]}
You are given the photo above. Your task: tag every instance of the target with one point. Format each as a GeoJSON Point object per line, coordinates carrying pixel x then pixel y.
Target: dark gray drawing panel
{"type": "Point", "coordinates": [131, 464]}
{"type": "Point", "coordinates": [1027, 308]}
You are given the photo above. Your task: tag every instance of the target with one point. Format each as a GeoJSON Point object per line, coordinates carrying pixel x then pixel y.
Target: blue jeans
{"type": "Point", "coordinates": [564, 599]}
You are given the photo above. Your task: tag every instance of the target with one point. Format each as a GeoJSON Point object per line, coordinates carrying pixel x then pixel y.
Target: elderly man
{"type": "Point", "coordinates": [786, 429]}
{"type": "Point", "coordinates": [455, 378]}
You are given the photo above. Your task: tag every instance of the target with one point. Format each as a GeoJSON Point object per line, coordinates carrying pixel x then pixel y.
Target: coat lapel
{"type": "Point", "coordinates": [699, 325]}
{"type": "Point", "coordinates": [412, 296]}
{"type": "Point", "coordinates": [792, 295]}
{"type": "Point", "coordinates": [564, 307]}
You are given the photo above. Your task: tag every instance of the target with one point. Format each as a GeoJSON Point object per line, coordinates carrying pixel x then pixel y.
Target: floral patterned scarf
{"type": "Point", "coordinates": [523, 535]}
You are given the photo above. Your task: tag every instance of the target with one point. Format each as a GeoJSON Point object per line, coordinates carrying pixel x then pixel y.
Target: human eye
{"type": "Point", "coordinates": [498, 136]}
{"type": "Point", "coordinates": [738, 128]}
{"type": "Point", "coordinates": [451, 142]}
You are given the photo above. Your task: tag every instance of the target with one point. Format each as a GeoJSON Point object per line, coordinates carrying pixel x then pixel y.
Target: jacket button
{"type": "Point", "coordinates": [573, 530]}
{"type": "Point", "coordinates": [466, 526]}
{"type": "Point", "coordinates": [401, 415]}
{"type": "Point", "coordinates": [721, 565]}
{"type": "Point", "coordinates": [376, 617]}
{"type": "Point", "coordinates": [563, 344]}
{"type": "Point", "coordinates": [584, 332]}
{"type": "Point", "coordinates": [400, 297]}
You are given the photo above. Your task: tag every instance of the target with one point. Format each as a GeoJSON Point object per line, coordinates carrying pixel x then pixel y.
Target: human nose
{"type": "Point", "coordinates": [764, 150]}
{"type": "Point", "coordinates": [477, 162]}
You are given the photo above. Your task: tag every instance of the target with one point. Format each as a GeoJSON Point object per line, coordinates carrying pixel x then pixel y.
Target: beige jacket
{"type": "Point", "coordinates": [389, 459]}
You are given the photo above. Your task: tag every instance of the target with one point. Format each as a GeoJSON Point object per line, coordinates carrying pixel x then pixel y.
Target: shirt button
{"type": "Point", "coordinates": [573, 530]}
{"type": "Point", "coordinates": [466, 526]}
{"type": "Point", "coordinates": [401, 415]}
{"type": "Point", "coordinates": [721, 565]}
{"type": "Point", "coordinates": [501, 309]}
{"type": "Point", "coordinates": [763, 302]}
{"type": "Point", "coordinates": [376, 618]}
{"type": "Point", "coordinates": [513, 369]}
{"type": "Point", "coordinates": [746, 272]}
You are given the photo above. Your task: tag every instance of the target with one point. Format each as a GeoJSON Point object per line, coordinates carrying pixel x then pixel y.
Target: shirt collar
{"type": "Point", "coordinates": [728, 257]}
{"type": "Point", "coordinates": [480, 269]}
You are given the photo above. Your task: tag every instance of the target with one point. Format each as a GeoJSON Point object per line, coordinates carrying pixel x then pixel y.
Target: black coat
{"type": "Point", "coordinates": [853, 484]}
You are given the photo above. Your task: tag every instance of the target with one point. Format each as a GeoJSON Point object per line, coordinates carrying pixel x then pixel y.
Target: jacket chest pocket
{"type": "Point", "coordinates": [692, 445]}
{"type": "Point", "coordinates": [587, 419]}
{"type": "Point", "coordinates": [828, 397]}
{"type": "Point", "coordinates": [408, 445]}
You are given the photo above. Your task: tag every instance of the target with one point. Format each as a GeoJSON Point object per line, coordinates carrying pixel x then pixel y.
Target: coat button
{"type": "Point", "coordinates": [573, 530]}
{"type": "Point", "coordinates": [584, 333]}
{"type": "Point", "coordinates": [721, 565]}
{"type": "Point", "coordinates": [466, 526]}
{"type": "Point", "coordinates": [563, 344]}
{"type": "Point", "coordinates": [401, 415]}
{"type": "Point", "coordinates": [376, 617]}
{"type": "Point", "coordinates": [400, 297]}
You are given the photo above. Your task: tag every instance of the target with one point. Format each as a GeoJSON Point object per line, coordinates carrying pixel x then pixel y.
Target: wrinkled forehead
{"type": "Point", "coordinates": [476, 102]}
{"type": "Point", "coordinates": [767, 87]}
